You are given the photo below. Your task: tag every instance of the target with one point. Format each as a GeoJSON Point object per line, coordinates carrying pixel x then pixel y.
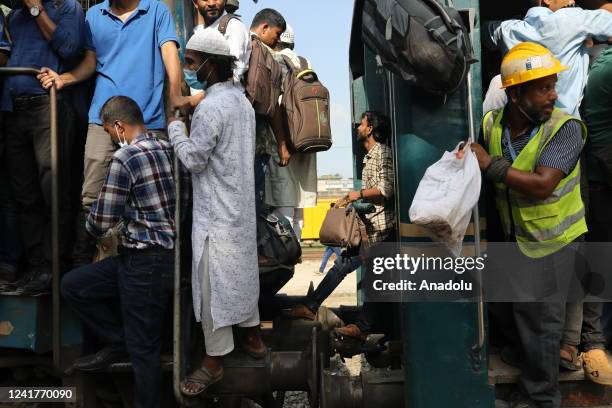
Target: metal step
{"type": "Point", "coordinates": [577, 391]}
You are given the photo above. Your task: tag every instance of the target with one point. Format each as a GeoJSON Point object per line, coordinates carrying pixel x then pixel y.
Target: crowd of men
{"type": "Point", "coordinates": [122, 51]}
{"type": "Point", "coordinates": [118, 75]}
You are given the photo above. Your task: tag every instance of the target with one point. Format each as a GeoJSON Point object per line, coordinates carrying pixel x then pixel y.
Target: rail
{"type": "Point", "coordinates": [480, 318]}
{"type": "Point", "coordinates": [55, 265]}
{"type": "Point", "coordinates": [177, 344]}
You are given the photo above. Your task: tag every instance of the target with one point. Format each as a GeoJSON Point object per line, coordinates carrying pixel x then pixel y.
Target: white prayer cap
{"type": "Point", "coordinates": [209, 41]}
{"type": "Point", "coordinates": [288, 37]}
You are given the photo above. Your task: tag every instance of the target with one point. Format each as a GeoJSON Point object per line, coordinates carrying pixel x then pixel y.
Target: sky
{"type": "Point", "coordinates": [322, 33]}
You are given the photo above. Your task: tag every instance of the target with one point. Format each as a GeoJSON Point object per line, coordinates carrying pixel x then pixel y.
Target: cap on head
{"type": "Point", "coordinates": [288, 36]}
{"type": "Point", "coordinates": [526, 62]}
{"type": "Point", "coordinates": [209, 41]}
{"type": "Point", "coordinates": [232, 5]}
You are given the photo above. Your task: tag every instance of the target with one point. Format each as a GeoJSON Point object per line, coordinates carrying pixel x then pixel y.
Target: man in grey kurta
{"type": "Point", "coordinates": [219, 155]}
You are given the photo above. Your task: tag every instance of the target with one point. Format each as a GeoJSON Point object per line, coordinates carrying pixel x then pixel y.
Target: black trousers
{"type": "Point", "coordinates": [599, 219]}
{"type": "Point", "coordinates": [142, 281]}
{"type": "Point", "coordinates": [28, 154]}
{"type": "Point", "coordinates": [540, 324]}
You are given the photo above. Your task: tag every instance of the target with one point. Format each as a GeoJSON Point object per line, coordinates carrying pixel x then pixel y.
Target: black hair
{"type": "Point", "coordinates": [271, 17]}
{"type": "Point", "coordinates": [224, 64]}
{"type": "Point", "coordinates": [123, 109]}
{"type": "Point", "coordinates": [380, 123]}
{"type": "Point", "coordinates": [532, 3]}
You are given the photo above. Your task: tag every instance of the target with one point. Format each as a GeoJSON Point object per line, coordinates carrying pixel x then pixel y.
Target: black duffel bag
{"type": "Point", "coordinates": [422, 41]}
{"type": "Point", "coordinates": [276, 240]}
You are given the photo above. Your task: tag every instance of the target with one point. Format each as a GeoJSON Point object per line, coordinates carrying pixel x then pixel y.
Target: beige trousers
{"type": "Point", "coordinates": [221, 341]}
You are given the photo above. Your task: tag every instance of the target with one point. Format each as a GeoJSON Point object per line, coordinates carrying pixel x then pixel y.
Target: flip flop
{"type": "Point", "coordinates": [201, 377]}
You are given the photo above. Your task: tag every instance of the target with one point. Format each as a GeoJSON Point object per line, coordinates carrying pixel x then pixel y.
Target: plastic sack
{"type": "Point", "coordinates": [446, 195]}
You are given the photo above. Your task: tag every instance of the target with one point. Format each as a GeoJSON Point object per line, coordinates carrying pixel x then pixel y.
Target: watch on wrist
{"type": "Point", "coordinates": [361, 194]}
{"type": "Point", "coordinates": [35, 10]}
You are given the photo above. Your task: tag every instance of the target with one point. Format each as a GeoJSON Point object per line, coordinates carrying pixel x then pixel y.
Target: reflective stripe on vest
{"type": "Point", "coordinates": [541, 227]}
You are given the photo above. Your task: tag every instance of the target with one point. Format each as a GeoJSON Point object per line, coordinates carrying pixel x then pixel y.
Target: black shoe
{"type": "Point", "coordinates": [8, 272]}
{"type": "Point", "coordinates": [15, 288]}
{"type": "Point", "coordinates": [39, 285]}
{"type": "Point", "coordinates": [102, 359]}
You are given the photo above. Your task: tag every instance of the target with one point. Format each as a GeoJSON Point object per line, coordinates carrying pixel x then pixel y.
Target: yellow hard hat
{"type": "Point", "coordinates": [528, 61]}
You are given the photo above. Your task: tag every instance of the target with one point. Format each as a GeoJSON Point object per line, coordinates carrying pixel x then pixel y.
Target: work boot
{"type": "Point", "coordinates": [84, 244]}
{"type": "Point", "coordinates": [596, 366]}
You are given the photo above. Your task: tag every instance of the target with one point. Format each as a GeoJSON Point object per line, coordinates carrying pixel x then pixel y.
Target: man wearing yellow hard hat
{"type": "Point", "coordinates": [532, 153]}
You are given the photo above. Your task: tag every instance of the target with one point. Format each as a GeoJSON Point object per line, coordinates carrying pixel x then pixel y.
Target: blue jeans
{"type": "Point", "coordinates": [336, 274]}
{"type": "Point", "coordinates": [142, 281]}
{"type": "Point", "coordinates": [328, 253]}
{"type": "Point", "coordinates": [261, 168]}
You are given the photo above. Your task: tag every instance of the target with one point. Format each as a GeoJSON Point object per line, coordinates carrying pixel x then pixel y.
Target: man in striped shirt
{"type": "Point", "coordinates": [138, 198]}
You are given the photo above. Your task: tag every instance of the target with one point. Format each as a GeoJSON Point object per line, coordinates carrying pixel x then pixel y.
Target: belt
{"type": "Point", "coordinates": [31, 101]}
{"type": "Point", "coordinates": [144, 251]}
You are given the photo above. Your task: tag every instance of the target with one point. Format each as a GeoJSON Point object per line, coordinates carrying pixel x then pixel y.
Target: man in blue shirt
{"type": "Point", "coordinates": [42, 33]}
{"type": "Point", "coordinates": [131, 45]}
{"type": "Point", "coordinates": [563, 29]}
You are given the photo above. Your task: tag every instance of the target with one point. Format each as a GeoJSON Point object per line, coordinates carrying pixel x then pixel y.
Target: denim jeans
{"type": "Point", "coordinates": [328, 253]}
{"type": "Point", "coordinates": [336, 274]}
{"type": "Point", "coordinates": [261, 168]}
{"type": "Point", "coordinates": [142, 281]}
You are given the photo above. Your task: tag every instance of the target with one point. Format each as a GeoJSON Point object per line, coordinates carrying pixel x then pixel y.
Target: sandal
{"type": "Point", "coordinates": [574, 362]}
{"type": "Point", "coordinates": [201, 377]}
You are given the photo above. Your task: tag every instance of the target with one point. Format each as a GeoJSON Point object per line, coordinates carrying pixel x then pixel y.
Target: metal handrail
{"type": "Point", "coordinates": [475, 211]}
{"type": "Point", "coordinates": [177, 343]}
{"type": "Point", "coordinates": [55, 265]}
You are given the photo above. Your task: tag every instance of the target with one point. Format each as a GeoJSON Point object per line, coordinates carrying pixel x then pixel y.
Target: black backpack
{"type": "Point", "coordinates": [276, 240]}
{"type": "Point", "coordinates": [424, 42]}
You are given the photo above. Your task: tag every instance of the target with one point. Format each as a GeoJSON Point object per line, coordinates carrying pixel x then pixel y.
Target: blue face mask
{"type": "Point", "coordinates": [191, 77]}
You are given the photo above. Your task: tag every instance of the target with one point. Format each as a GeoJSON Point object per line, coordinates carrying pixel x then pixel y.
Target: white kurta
{"type": "Point", "coordinates": [219, 155]}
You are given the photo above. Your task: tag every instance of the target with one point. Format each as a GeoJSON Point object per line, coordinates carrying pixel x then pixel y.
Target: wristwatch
{"type": "Point", "coordinates": [360, 193]}
{"type": "Point", "coordinates": [35, 10]}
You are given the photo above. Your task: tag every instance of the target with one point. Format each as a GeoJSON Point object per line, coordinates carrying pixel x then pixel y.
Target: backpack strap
{"type": "Point", "coordinates": [224, 22]}
{"type": "Point", "coordinates": [303, 63]}
{"type": "Point", "coordinates": [300, 71]}
{"type": "Point", "coordinates": [289, 63]}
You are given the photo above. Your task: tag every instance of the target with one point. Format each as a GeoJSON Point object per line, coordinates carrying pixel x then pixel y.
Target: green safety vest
{"type": "Point", "coordinates": [541, 227]}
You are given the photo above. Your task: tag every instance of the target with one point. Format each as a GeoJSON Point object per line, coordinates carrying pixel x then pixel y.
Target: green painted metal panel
{"type": "Point", "coordinates": [440, 367]}
{"type": "Point", "coordinates": [30, 321]}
